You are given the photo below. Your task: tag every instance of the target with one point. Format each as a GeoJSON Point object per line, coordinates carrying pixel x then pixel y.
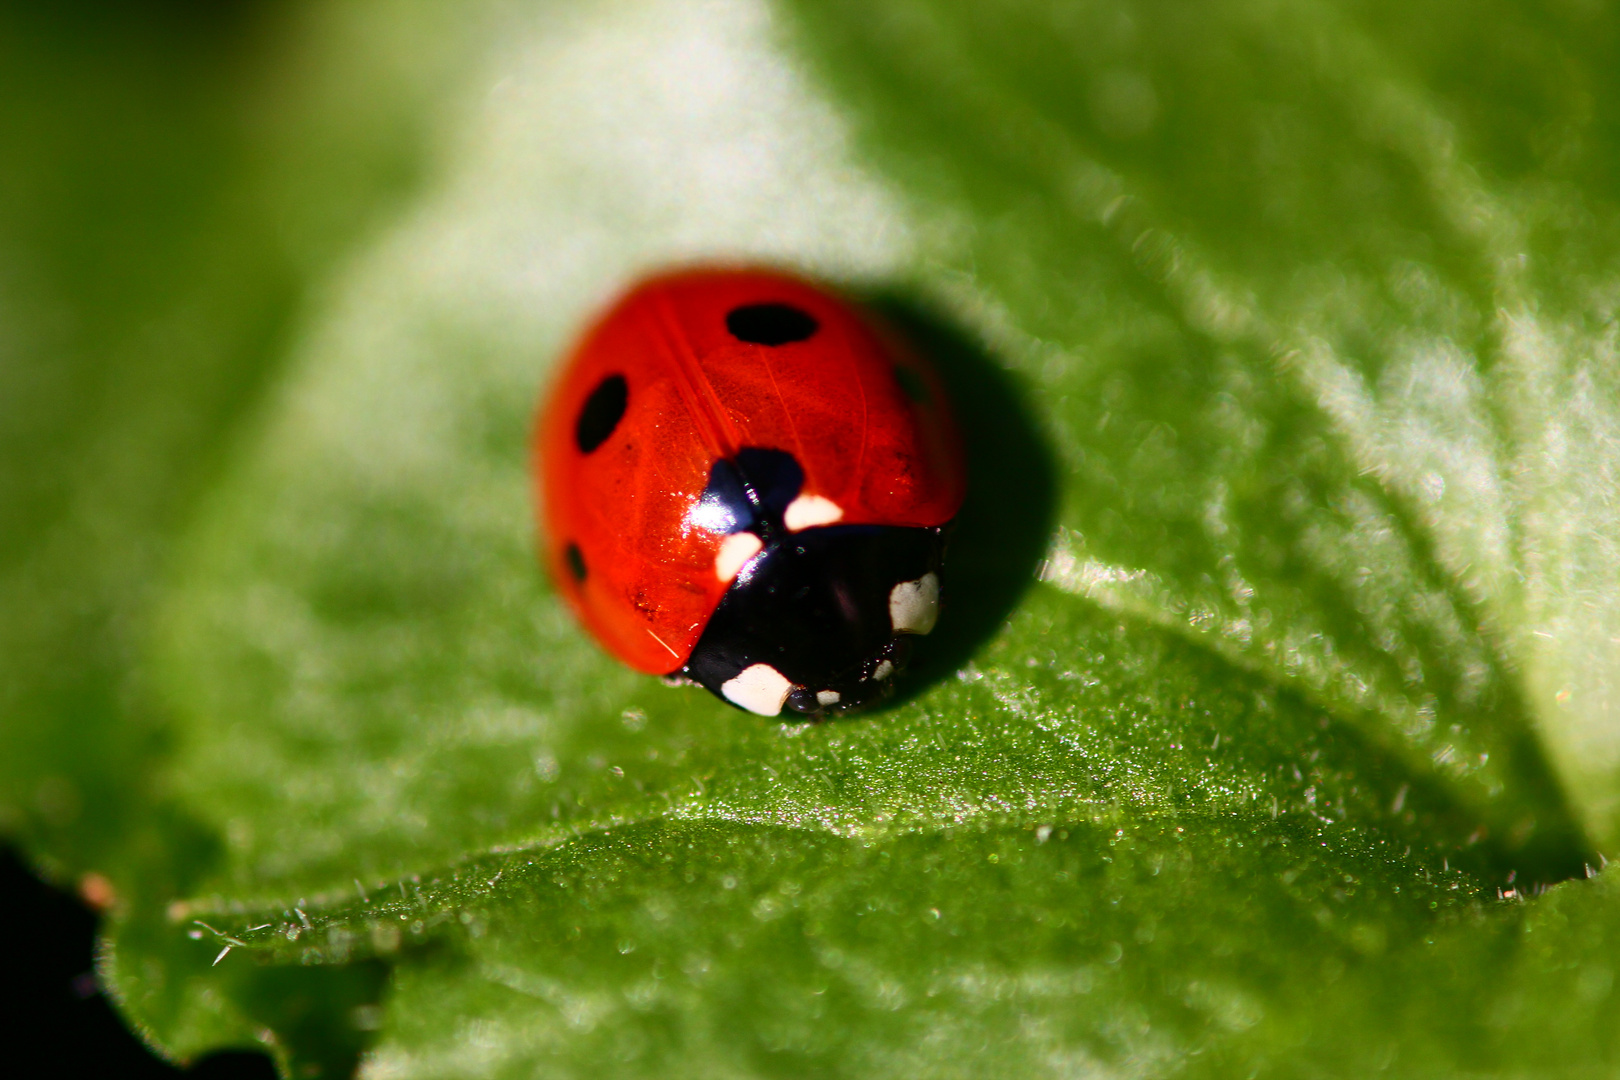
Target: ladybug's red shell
{"type": "Point", "coordinates": [624, 542]}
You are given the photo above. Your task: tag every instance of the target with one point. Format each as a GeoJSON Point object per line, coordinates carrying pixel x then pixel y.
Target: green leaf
{"type": "Point", "coordinates": [632, 947]}
{"type": "Point", "coordinates": [1273, 688]}
{"type": "Point", "coordinates": [1354, 314]}
{"type": "Point", "coordinates": [167, 196]}
{"type": "Point", "coordinates": [1223, 947]}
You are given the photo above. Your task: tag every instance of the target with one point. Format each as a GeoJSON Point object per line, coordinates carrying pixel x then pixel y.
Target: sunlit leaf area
{"type": "Point", "coordinates": [1272, 728]}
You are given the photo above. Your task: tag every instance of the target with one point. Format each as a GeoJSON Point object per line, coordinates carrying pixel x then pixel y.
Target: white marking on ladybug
{"type": "Point", "coordinates": [883, 670]}
{"type": "Point", "coordinates": [735, 550]}
{"type": "Point", "coordinates": [759, 688]}
{"type": "Point", "coordinates": [828, 697]}
{"type": "Point", "coordinates": [914, 605]}
{"type": "Point", "coordinates": [808, 511]}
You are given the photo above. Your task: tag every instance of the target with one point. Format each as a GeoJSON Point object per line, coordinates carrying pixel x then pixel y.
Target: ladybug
{"type": "Point", "coordinates": [746, 483]}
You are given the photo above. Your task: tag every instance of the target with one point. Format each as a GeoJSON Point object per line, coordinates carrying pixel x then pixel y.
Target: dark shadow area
{"type": "Point", "coordinates": [193, 18]}
{"type": "Point", "coordinates": [1547, 844]}
{"type": "Point", "coordinates": [1535, 855]}
{"type": "Point", "coordinates": [1417, 809]}
{"type": "Point", "coordinates": [1001, 534]}
{"type": "Point", "coordinates": [324, 1016]}
{"type": "Point", "coordinates": [51, 1011]}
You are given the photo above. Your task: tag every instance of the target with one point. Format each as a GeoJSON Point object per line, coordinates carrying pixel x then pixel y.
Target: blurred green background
{"type": "Point", "coordinates": [1272, 730]}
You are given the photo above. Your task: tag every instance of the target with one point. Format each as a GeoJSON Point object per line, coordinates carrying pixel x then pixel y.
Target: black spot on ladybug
{"type": "Point", "coordinates": [912, 384]}
{"type": "Point", "coordinates": [774, 478]}
{"type": "Point", "coordinates": [602, 412]}
{"type": "Point", "coordinates": [576, 562]}
{"type": "Point", "coordinates": [770, 324]}
{"type": "Point", "coordinates": [751, 491]}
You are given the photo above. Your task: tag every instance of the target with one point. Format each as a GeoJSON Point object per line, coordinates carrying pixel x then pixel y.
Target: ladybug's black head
{"type": "Point", "coordinates": [822, 619]}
